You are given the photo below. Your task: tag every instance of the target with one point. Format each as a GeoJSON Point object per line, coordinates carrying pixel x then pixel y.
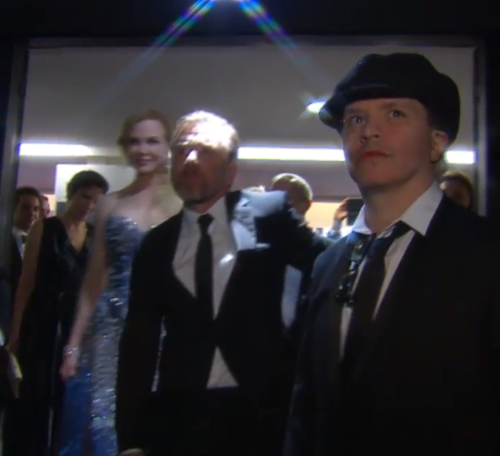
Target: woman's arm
{"type": "Point", "coordinates": [26, 281]}
{"type": "Point", "coordinates": [93, 285]}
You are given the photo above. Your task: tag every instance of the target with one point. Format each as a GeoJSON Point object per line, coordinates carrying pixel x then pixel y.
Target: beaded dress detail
{"type": "Point", "coordinates": [91, 405]}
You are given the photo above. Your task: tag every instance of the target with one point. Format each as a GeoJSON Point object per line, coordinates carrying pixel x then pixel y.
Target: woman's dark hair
{"type": "Point", "coordinates": [86, 179]}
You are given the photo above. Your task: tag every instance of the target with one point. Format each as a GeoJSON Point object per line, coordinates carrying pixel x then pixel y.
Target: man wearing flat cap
{"type": "Point", "coordinates": [401, 349]}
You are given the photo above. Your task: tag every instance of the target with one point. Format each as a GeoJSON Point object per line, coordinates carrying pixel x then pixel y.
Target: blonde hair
{"type": "Point", "coordinates": [298, 182]}
{"type": "Point", "coordinates": [219, 131]}
{"type": "Point", "coordinates": [133, 120]}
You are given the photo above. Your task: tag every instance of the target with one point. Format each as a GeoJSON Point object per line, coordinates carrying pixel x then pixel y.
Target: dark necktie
{"type": "Point", "coordinates": [24, 238]}
{"type": "Point", "coordinates": [203, 271]}
{"type": "Point", "coordinates": [366, 296]}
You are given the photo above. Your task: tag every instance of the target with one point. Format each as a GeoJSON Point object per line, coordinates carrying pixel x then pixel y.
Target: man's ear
{"type": "Point", "coordinates": [440, 142]}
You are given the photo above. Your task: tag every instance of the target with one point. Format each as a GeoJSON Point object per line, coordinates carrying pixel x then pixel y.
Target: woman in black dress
{"type": "Point", "coordinates": [55, 259]}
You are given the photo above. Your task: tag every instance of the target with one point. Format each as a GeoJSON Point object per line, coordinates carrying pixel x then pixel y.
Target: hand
{"type": "Point", "coordinates": [341, 212]}
{"type": "Point", "coordinates": [133, 453]}
{"type": "Point", "coordinates": [69, 367]}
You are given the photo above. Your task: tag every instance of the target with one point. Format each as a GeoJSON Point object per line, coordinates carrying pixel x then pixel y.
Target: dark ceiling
{"type": "Point", "coordinates": [131, 18]}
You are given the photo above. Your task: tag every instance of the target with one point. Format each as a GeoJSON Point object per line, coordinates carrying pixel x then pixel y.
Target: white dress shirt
{"type": "Point", "coordinates": [417, 217]}
{"type": "Point", "coordinates": [19, 235]}
{"type": "Point", "coordinates": [224, 254]}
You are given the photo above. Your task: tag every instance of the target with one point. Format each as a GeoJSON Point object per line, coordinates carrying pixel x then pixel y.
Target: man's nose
{"type": "Point", "coordinates": [371, 129]}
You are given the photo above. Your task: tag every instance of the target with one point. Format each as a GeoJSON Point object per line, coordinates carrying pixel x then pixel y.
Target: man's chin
{"type": "Point", "coordinates": [194, 200]}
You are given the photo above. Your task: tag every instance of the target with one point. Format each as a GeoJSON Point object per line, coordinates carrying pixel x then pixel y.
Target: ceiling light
{"type": "Point", "coordinates": [314, 107]}
{"type": "Point", "coordinates": [461, 157]}
{"type": "Point", "coordinates": [453, 157]}
{"type": "Point", "coordinates": [290, 154]}
{"type": "Point", "coordinates": [54, 150]}
{"type": "Point", "coordinates": [311, 154]}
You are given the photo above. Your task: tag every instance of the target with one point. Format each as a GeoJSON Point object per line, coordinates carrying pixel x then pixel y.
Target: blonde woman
{"type": "Point", "coordinates": [122, 218]}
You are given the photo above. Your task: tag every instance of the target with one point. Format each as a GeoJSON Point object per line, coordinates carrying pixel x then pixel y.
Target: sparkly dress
{"type": "Point", "coordinates": [90, 408]}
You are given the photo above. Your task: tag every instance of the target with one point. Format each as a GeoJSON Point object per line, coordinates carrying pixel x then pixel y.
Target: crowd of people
{"type": "Point", "coordinates": [191, 319]}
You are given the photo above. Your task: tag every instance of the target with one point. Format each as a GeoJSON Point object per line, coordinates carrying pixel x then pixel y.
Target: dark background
{"type": "Point", "coordinates": [129, 22]}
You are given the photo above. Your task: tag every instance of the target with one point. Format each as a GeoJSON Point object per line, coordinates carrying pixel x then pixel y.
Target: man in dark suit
{"type": "Point", "coordinates": [27, 207]}
{"type": "Point", "coordinates": [401, 347]}
{"type": "Point", "coordinates": [214, 275]}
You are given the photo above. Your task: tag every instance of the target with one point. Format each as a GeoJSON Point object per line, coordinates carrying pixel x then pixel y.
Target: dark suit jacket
{"type": "Point", "coordinates": [15, 266]}
{"type": "Point", "coordinates": [430, 375]}
{"type": "Point", "coordinates": [5, 301]}
{"type": "Point", "coordinates": [248, 328]}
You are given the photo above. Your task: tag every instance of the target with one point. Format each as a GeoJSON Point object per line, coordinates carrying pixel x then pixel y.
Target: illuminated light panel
{"type": "Point", "coordinates": [290, 154]}
{"type": "Point", "coordinates": [455, 157]}
{"type": "Point", "coordinates": [315, 107]}
{"type": "Point", "coordinates": [55, 150]}
{"type": "Point", "coordinates": [461, 157]}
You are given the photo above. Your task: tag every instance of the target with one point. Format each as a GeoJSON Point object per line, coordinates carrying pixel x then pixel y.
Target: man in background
{"type": "Point", "coordinates": [299, 191]}
{"type": "Point", "coordinates": [300, 195]}
{"type": "Point", "coordinates": [27, 209]}
{"type": "Point", "coordinates": [458, 187]}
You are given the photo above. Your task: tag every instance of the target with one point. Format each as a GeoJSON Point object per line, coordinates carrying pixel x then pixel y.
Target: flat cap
{"type": "Point", "coordinates": [399, 75]}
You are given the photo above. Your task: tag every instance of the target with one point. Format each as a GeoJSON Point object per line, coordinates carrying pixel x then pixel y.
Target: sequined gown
{"type": "Point", "coordinates": [90, 408]}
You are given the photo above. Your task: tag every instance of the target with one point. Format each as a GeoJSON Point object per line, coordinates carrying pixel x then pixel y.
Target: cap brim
{"type": "Point", "coordinates": [332, 112]}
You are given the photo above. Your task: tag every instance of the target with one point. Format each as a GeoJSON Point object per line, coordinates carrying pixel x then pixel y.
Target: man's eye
{"type": "Point", "coordinates": [396, 113]}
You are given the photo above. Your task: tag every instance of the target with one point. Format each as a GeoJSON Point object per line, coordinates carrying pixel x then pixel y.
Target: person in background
{"type": "Point", "coordinates": [121, 220]}
{"type": "Point", "coordinates": [298, 190]}
{"type": "Point", "coordinates": [45, 212]}
{"type": "Point", "coordinates": [55, 259]}
{"type": "Point", "coordinates": [401, 347]}
{"type": "Point", "coordinates": [340, 214]}
{"type": "Point", "coordinates": [296, 284]}
{"type": "Point", "coordinates": [458, 187]}
{"type": "Point", "coordinates": [27, 207]}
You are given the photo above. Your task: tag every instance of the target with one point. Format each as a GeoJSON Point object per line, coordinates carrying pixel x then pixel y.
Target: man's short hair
{"type": "Point", "coordinates": [461, 178]}
{"type": "Point", "coordinates": [26, 191]}
{"type": "Point", "coordinates": [298, 182]}
{"type": "Point", "coordinates": [229, 138]}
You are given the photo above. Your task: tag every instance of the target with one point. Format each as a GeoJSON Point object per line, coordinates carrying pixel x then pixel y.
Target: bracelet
{"type": "Point", "coordinates": [70, 351]}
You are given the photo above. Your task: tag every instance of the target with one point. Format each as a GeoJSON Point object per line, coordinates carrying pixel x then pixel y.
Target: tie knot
{"type": "Point", "coordinates": [24, 238]}
{"type": "Point", "coordinates": [204, 222]}
{"type": "Point", "coordinates": [381, 245]}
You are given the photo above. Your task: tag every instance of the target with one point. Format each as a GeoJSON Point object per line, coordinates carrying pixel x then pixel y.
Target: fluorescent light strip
{"type": "Point", "coordinates": [290, 154]}
{"type": "Point", "coordinates": [55, 150]}
{"type": "Point", "coordinates": [456, 157]}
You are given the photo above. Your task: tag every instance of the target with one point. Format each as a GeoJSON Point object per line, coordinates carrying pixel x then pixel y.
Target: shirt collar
{"type": "Point", "coordinates": [418, 216]}
{"type": "Point", "coordinates": [18, 233]}
{"type": "Point", "coordinates": [218, 211]}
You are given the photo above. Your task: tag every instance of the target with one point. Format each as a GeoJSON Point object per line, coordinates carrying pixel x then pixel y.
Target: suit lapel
{"type": "Point", "coordinates": [329, 315]}
{"type": "Point", "coordinates": [176, 287]}
{"type": "Point", "coordinates": [409, 281]}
